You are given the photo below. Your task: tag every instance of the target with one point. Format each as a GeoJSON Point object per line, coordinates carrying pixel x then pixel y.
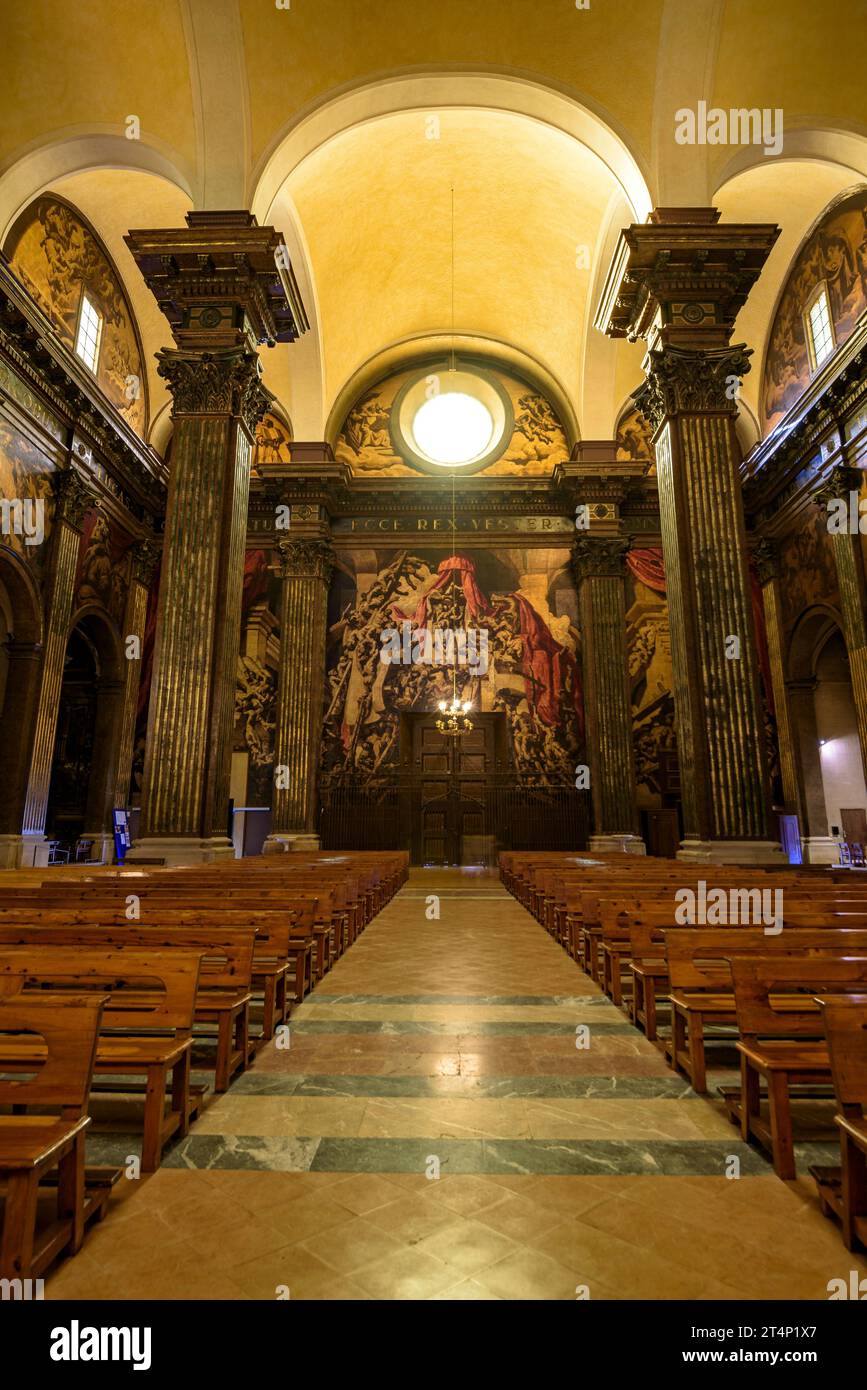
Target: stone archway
{"type": "Point", "coordinates": [825, 730]}
{"type": "Point", "coordinates": [21, 644]}
{"type": "Point", "coordinates": [87, 737]}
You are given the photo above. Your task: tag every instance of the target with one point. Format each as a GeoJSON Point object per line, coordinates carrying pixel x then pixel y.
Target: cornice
{"type": "Point", "coordinates": [126, 465]}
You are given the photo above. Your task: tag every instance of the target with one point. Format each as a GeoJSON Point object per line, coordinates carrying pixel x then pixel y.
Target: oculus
{"type": "Point", "coordinates": [455, 418]}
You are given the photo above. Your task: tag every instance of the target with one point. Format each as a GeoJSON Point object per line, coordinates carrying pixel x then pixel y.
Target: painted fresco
{"type": "Point", "coordinates": [808, 572]}
{"type": "Point", "coordinates": [273, 438]}
{"type": "Point", "coordinates": [26, 475]}
{"type": "Point", "coordinates": [835, 253]}
{"type": "Point", "coordinates": [56, 256]}
{"type": "Point", "coordinates": [256, 676]}
{"type": "Point", "coordinates": [634, 444]}
{"type": "Point", "coordinates": [530, 669]}
{"type": "Point", "coordinates": [102, 575]}
{"type": "Point", "coordinates": [538, 440]}
{"type": "Point", "coordinates": [651, 686]}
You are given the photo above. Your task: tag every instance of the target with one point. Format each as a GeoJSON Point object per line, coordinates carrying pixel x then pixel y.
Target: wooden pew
{"type": "Point", "coordinates": [222, 999]}
{"type": "Point", "coordinates": [146, 1027]}
{"type": "Point", "coordinates": [843, 1192]}
{"type": "Point", "coordinates": [32, 1147]}
{"type": "Point", "coordinates": [701, 988]}
{"type": "Point", "coordinates": [782, 1039]}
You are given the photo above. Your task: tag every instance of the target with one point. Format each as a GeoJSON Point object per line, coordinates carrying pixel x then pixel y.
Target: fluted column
{"type": "Point", "coordinates": [185, 791]}
{"type": "Point", "coordinates": [768, 566]}
{"type": "Point", "coordinates": [226, 286]}
{"type": "Point", "coordinates": [600, 574]}
{"type": "Point", "coordinates": [144, 562]}
{"type": "Point", "coordinates": [306, 566]}
{"type": "Point", "coordinates": [73, 500]}
{"type": "Point", "coordinates": [679, 282]}
{"type": "Point", "coordinates": [849, 559]}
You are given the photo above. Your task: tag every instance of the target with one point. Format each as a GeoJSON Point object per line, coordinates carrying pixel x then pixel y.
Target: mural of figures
{"type": "Point", "coordinates": [520, 659]}
{"type": "Point", "coordinates": [273, 438]}
{"type": "Point", "coordinates": [56, 257]}
{"type": "Point", "coordinates": [634, 443]}
{"type": "Point", "coordinates": [101, 576]}
{"type": "Point", "coordinates": [808, 573]}
{"type": "Point", "coordinates": [26, 476]}
{"type": "Point", "coordinates": [651, 681]}
{"type": "Point", "coordinates": [256, 680]}
{"type": "Point", "coordinates": [537, 444]}
{"type": "Point", "coordinates": [836, 254]}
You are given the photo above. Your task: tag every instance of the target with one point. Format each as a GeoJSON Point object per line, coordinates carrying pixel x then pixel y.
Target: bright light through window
{"type": "Point", "coordinates": [89, 333]}
{"type": "Point", "coordinates": [821, 334]}
{"type": "Point", "coordinates": [452, 428]}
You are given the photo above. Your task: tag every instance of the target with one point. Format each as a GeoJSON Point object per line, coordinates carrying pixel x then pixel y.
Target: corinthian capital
{"type": "Point", "coordinates": [595, 559]}
{"type": "Point", "coordinates": [74, 497]}
{"type": "Point", "coordinates": [225, 381]}
{"type": "Point", "coordinates": [307, 559]}
{"type": "Point", "coordinates": [683, 380]}
{"type": "Point", "coordinates": [145, 558]}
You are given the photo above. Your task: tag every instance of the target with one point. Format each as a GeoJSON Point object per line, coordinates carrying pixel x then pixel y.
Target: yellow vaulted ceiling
{"type": "Point", "coordinates": [375, 205]}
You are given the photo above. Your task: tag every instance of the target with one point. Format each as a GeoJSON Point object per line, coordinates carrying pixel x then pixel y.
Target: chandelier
{"type": "Point", "coordinates": [454, 718]}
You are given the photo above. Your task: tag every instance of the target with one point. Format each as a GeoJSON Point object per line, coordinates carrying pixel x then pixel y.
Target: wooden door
{"type": "Point", "coordinates": [854, 825]}
{"type": "Point", "coordinates": [450, 775]}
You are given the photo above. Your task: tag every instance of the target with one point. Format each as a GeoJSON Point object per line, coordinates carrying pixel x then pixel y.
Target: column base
{"type": "Point", "coordinates": [23, 851]}
{"type": "Point", "coordinates": [102, 851]}
{"type": "Point", "coordinates": [289, 842]}
{"type": "Point", "coordinates": [820, 849]}
{"type": "Point", "coordinates": [732, 852]}
{"type": "Point", "coordinates": [172, 850]}
{"type": "Point", "coordinates": [617, 844]}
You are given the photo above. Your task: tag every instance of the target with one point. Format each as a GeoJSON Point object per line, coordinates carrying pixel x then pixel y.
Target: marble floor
{"type": "Point", "coordinates": [458, 1113]}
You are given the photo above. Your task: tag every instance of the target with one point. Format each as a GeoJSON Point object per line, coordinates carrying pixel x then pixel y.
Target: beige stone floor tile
{"type": "Point", "coordinates": [411, 1273]}
{"type": "Point", "coordinates": [349, 1248]}
{"type": "Point", "coordinates": [528, 1274]}
{"type": "Point", "coordinates": [364, 1192]}
{"type": "Point", "coordinates": [467, 1291]}
{"type": "Point", "coordinates": [466, 1194]}
{"type": "Point", "coordinates": [412, 1217]}
{"type": "Point", "coordinates": [291, 1267]}
{"type": "Point", "coordinates": [467, 1245]}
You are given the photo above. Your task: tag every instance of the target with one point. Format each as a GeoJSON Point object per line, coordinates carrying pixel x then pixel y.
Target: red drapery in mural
{"type": "Point", "coordinates": [255, 578]}
{"type": "Point", "coordinates": [459, 567]}
{"type": "Point", "coordinates": [544, 663]}
{"type": "Point", "coordinates": [648, 566]}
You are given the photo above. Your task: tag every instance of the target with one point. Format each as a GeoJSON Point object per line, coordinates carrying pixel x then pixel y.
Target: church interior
{"type": "Point", "coordinates": [433, 651]}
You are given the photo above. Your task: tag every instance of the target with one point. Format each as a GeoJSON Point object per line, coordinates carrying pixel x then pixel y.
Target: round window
{"type": "Point", "coordinates": [457, 419]}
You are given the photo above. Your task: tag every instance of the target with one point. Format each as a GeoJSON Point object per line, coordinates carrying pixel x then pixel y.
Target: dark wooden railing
{"type": "Point", "coordinates": [515, 814]}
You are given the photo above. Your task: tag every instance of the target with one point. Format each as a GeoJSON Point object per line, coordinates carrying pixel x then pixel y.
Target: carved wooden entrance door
{"type": "Point", "coordinates": [450, 788]}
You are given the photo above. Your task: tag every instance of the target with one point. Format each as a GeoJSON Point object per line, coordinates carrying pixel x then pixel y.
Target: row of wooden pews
{"type": "Point", "coordinates": [771, 961]}
{"type": "Point", "coordinates": [125, 979]}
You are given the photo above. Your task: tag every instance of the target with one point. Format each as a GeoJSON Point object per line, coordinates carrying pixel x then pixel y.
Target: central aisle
{"type": "Point", "coordinates": [449, 1044]}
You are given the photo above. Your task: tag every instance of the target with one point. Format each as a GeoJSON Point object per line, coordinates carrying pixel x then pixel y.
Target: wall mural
{"type": "Point", "coordinates": [256, 678]}
{"type": "Point", "coordinates": [538, 440]}
{"type": "Point", "coordinates": [808, 572]}
{"type": "Point", "coordinates": [26, 475]}
{"type": "Point", "coordinates": [102, 574]}
{"type": "Point", "coordinates": [55, 256]}
{"type": "Point", "coordinates": [634, 443]}
{"type": "Point", "coordinates": [836, 253]}
{"type": "Point", "coordinates": [651, 685]}
{"type": "Point", "coordinates": [526, 666]}
{"type": "Point", "coordinates": [273, 438]}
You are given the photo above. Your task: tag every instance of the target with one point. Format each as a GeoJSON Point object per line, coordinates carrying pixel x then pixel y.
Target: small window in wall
{"type": "Point", "coordinates": [819, 330]}
{"type": "Point", "coordinates": [89, 333]}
